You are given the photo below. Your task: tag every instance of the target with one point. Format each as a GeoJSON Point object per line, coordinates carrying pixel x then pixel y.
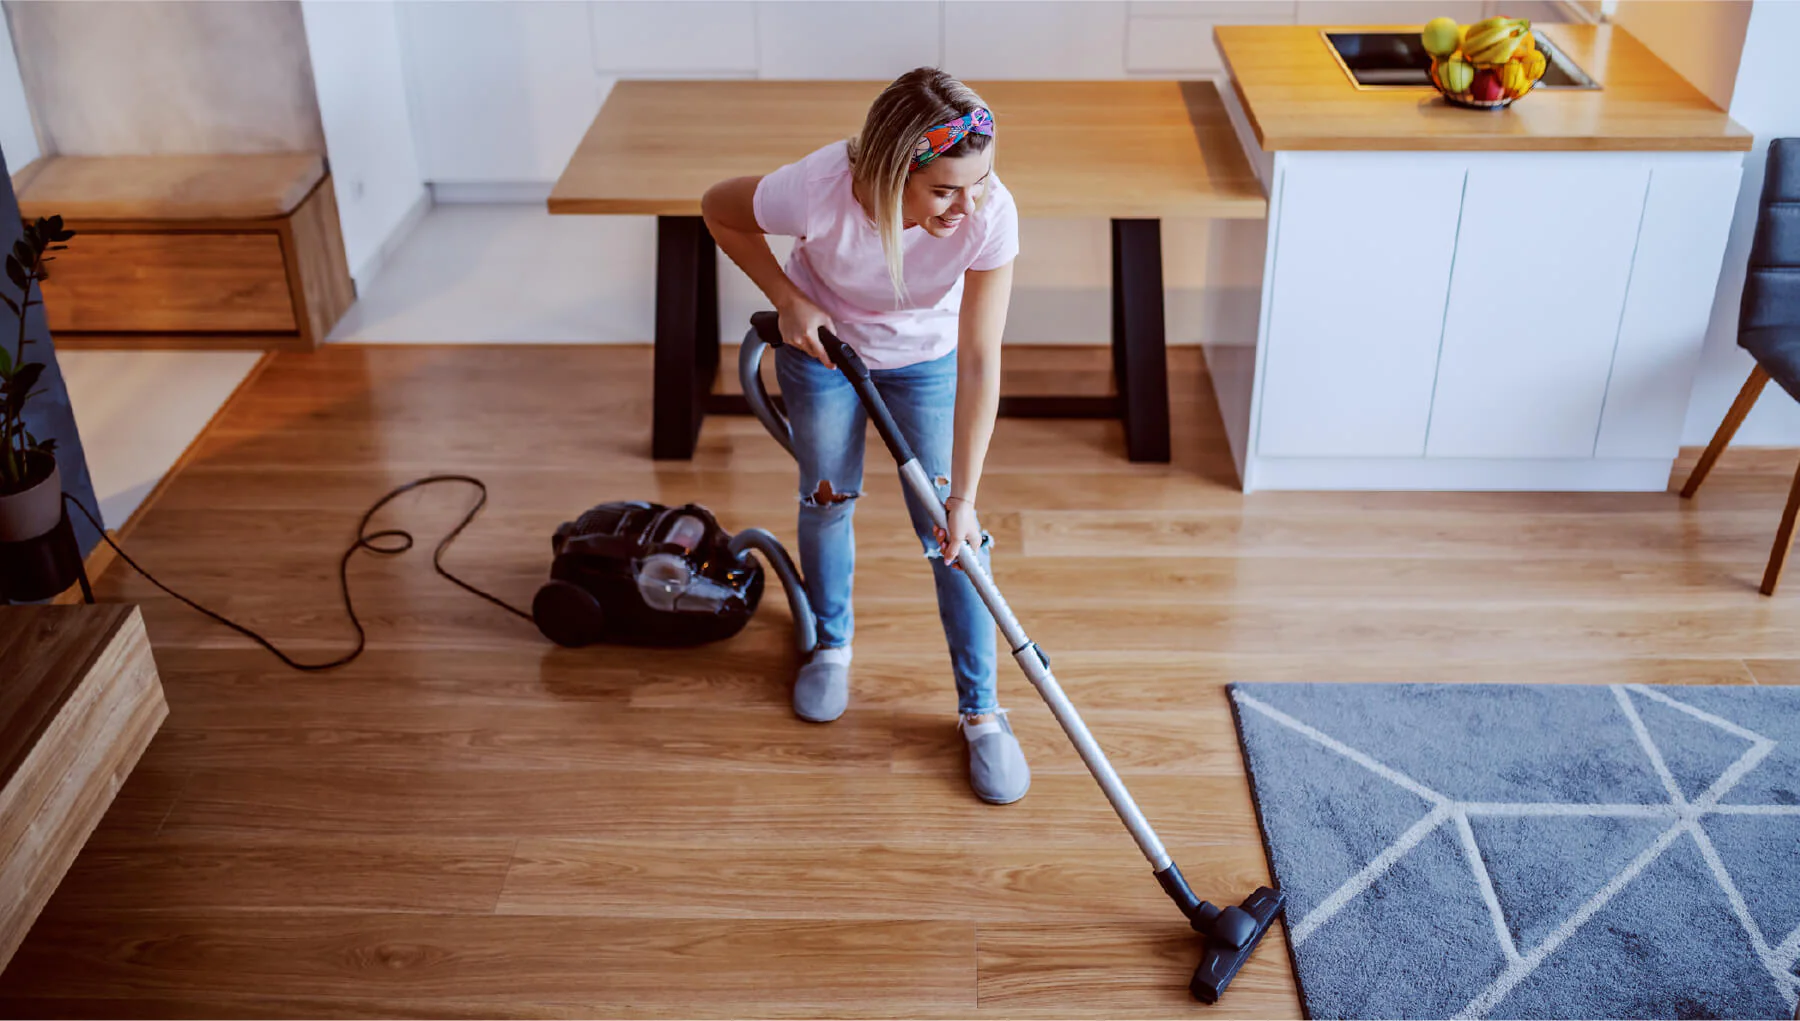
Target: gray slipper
{"type": "Point", "coordinates": [823, 688]}
{"type": "Point", "coordinates": [997, 770]}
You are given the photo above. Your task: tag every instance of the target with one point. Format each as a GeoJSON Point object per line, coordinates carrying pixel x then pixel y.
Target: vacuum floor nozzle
{"type": "Point", "coordinates": [1226, 951]}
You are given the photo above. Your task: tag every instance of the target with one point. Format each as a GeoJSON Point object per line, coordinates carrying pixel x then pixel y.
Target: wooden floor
{"type": "Point", "coordinates": [471, 822]}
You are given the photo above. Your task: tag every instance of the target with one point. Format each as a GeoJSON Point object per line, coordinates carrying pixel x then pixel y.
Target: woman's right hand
{"type": "Point", "coordinates": [800, 324]}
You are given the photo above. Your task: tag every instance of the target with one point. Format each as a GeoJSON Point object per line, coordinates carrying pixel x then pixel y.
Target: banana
{"type": "Point", "coordinates": [1499, 52]}
{"type": "Point", "coordinates": [1483, 41]}
{"type": "Point", "coordinates": [1476, 42]}
{"type": "Point", "coordinates": [1485, 24]}
{"type": "Point", "coordinates": [1514, 79]}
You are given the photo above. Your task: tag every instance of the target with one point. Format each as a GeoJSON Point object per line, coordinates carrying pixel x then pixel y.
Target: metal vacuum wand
{"type": "Point", "coordinates": [1232, 932]}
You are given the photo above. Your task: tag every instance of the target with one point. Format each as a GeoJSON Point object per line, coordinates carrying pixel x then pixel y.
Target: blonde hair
{"type": "Point", "coordinates": [881, 154]}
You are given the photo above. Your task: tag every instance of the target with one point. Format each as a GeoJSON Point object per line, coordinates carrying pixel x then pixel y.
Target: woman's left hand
{"type": "Point", "coordinates": [964, 527]}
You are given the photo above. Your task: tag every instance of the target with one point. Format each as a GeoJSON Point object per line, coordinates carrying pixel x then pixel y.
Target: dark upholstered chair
{"type": "Point", "coordinates": [1769, 325]}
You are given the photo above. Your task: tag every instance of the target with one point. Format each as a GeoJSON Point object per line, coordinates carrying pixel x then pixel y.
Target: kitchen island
{"type": "Point", "coordinates": [1462, 299]}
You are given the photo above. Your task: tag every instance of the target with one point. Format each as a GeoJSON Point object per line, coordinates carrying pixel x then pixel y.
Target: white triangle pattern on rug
{"type": "Point", "coordinates": [1697, 779]}
{"type": "Point", "coordinates": [1545, 866]}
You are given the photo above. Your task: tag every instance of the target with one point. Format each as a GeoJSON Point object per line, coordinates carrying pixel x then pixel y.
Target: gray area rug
{"type": "Point", "coordinates": [1532, 851]}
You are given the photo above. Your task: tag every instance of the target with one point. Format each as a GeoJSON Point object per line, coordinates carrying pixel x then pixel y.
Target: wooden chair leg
{"type": "Point", "coordinates": [1746, 399]}
{"type": "Point", "coordinates": [1784, 538]}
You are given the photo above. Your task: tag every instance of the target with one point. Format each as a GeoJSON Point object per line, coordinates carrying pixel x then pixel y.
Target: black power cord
{"type": "Point", "coordinates": [386, 542]}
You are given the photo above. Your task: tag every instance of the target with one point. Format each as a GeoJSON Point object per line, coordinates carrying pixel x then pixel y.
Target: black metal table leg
{"type": "Point", "coordinates": [687, 333]}
{"type": "Point", "coordinates": [687, 343]}
{"type": "Point", "coordinates": [1140, 359]}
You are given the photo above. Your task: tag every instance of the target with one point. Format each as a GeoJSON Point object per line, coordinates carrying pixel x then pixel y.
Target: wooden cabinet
{"type": "Point", "coordinates": [191, 251]}
{"type": "Point", "coordinates": [79, 704]}
{"type": "Point", "coordinates": [170, 283]}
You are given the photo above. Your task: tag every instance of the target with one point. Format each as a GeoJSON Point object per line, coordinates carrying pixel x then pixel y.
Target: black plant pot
{"type": "Point", "coordinates": [39, 557]}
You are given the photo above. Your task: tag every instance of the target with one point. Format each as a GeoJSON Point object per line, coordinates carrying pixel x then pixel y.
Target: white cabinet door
{"type": "Point", "coordinates": [500, 91]}
{"type": "Point", "coordinates": [657, 39]}
{"type": "Point", "coordinates": [863, 40]}
{"type": "Point", "coordinates": [1175, 37]}
{"type": "Point", "coordinates": [1362, 265]}
{"type": "Point", "coordinates": [1673, 276]}
{"type": "Point", "coordinates": [1385, 12]}
{"type": "Point", "coordinates": [1542, 261]}
{"type": "Point", "coordinates": [1059, 41]}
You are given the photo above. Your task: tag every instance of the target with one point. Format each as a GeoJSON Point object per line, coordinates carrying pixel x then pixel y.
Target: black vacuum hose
{"type": "Point", "coordinates": [806, 634]}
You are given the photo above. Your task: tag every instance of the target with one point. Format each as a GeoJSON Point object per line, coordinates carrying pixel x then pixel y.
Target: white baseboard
{"type": "Point", "coordinates": [494, 192]}
{"type": "Point", "coordinates": [371, 267]}
{"type": "Point", "coordinates": [1457, 474]}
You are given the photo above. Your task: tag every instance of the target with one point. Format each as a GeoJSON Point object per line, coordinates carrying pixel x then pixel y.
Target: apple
{"type": "Point", "coordinates": [1486, 88]}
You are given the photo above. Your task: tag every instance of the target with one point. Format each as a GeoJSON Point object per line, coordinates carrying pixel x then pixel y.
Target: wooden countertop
{"type": "Point", "coordinates": [1110, 149]}
{"type": "Point", "coordinates": [1297, 97]}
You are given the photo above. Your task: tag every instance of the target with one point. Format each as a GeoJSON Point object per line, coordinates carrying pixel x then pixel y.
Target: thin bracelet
{"type": "Point", "coordinates": [964, 499]}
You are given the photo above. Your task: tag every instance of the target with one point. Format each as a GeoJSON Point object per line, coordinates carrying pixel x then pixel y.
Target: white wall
{"type": "Point", "coordinates": [18, 135]}
{"type": "Point", "coordinates": [1765, 101]}
{"type": "Point", "coordinates": [166, 76]}
{"type": "Point", "coordinates": [1700, 39]}
{"type": "Point", "coordinates": [361, 83]}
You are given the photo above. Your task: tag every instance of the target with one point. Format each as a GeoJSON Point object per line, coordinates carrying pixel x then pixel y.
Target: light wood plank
{"type": "Point", "coordinates": [1119, 969]}
{"type": "Point", "coordinates": [827, 880]}
{"type": "Point", "coordinates": [216, 873]}
{"type": "Point", "coordinates": [500, 965]}
{"type": "Point", "coordinates": [721, 809]}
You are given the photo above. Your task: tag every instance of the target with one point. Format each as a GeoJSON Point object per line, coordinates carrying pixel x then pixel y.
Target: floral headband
{"type": "Point", "coordinates": [936, 141]}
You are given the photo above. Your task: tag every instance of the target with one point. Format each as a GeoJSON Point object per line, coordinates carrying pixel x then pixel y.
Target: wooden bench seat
{"type": "Point", "coordinates": [235, 251]}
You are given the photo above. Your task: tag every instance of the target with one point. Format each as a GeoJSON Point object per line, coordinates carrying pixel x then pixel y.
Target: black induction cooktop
{"type": "Point", "coordinates": [1376, 60]}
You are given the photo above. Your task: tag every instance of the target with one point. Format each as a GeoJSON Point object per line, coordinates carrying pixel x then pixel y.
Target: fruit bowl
{"type": "Point", "coordinates": [1486, 66]}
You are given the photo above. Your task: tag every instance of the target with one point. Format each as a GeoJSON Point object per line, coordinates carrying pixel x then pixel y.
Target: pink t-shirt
{"type": "Point", "coordinates": [838, 262]}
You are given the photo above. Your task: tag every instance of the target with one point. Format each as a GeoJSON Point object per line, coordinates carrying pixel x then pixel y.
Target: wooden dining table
{"type": "Point", "coordinates": [1132, 152]}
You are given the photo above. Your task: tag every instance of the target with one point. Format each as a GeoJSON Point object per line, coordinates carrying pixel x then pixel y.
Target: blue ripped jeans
{"type": "Point", "coordinates": [829, 428]}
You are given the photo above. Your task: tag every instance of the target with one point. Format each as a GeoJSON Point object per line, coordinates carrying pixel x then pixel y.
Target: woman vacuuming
{"type": "Point", "coordinates": [904, 243]}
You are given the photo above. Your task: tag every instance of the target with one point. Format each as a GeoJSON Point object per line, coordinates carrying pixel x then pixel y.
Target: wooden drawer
{"type": "Point", "coordinates": [173, 283]}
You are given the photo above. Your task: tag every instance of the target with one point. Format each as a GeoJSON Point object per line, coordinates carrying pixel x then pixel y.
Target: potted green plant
{"type": "Point", "coordinates": [30, 484]}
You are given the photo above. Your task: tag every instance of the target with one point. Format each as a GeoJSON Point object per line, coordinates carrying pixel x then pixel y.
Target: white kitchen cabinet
{"type": "Point", "coordinates": [1071, 40]}
{"type": "Point", "coordinates": [1687, 216]}
{"type": "Point", "coordinates": [657, 39]}
{"type": "Point", "coordinates": [500, 90]}
{"type": "Point", "coordinates": [1176, 38]}
{"type": "Point", "coordinates": [864, 40]}
{"type": "Point", "coordinates": [1543, 258]}
{"type": "Point", "coordinates": [1546, 341]}
{"type": "Point", "coordinates": [1365, 244]}
{"type": "Point", "coordinates": [1387, 12]}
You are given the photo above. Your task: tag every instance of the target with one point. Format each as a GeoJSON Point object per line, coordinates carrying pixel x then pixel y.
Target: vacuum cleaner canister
{"type": "Point", "coordinates": [638, 573]}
